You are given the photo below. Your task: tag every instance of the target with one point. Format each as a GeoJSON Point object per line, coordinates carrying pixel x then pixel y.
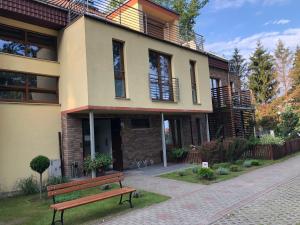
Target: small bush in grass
{"type": "Point", "coordinates": [234, 168]}
{"type": "Point", "coordinates": [223, 165]}
{"type": "Point", "coordinates": [106, 187]}
{"type": "Point", "coordinates": [206, 173]}
{"type": "Point", "coordinates": [28, 186]}
{"type": "Point", "coordinates": [195, 170]}
{"type": "Point", "coordinates": [222, 171]}
{"type": "Point", "coordinates": [247, 163]}
{"type": "Point", "coordinates": [239, 162]}
{"type": "Point", "coordinates": [255, 163]}
{"type": "Point", "coordinates": [181, 173]}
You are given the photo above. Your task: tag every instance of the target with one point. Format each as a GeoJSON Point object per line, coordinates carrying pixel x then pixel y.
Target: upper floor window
{"type": "Point", "coordinates": [119, 72]}
{"type": "Point", "coordinates": [20, 42]}
{"type": "Point", "coordinates": [193, 80]}
{"type": "Point", "coordinates": [21, 87]}
{"type": "Point", "coordinates": [161, 87]}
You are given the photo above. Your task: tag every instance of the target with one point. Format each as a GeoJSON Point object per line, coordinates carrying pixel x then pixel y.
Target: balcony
{"type": "Point", "coordinates": [163, 88]}
{"type": "Point", "coordinates": [130, 16]}
{"type": "Point", "coordinates": [222, 97]}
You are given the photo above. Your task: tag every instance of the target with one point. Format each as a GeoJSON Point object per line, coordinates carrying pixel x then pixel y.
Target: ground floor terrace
{"type": "Point", "coordinates": [132, 139]}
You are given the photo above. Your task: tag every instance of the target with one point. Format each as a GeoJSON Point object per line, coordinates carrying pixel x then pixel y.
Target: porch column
{"type": "Point", "coordinates": [207, 128]}
{"type": "Point", "coordinates": [92, 139]}
{"type": "Point", "coordinates": [163, 140]}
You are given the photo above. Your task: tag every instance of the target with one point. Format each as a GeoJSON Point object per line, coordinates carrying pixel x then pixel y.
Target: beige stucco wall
{"type": "Point", "coordinates": [72, 57]}
{"type": "Point", "coordinates": [26, 130]}
{"type": "Point", "coordinates": [101, 90]}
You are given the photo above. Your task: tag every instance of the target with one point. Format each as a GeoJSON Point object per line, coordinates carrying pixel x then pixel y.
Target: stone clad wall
{"type": "Point", "coordinates": [72, 143]}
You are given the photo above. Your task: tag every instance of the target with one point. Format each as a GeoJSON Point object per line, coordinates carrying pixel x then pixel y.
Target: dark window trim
{"type": "Point", "coordinates": [122, 71]}
{"type": "Point", "coordinates": [26, 43]}
{"type": "Point", "coordinates": [193, 81]}
{"type": "Point", "coordinates": [26, 89]}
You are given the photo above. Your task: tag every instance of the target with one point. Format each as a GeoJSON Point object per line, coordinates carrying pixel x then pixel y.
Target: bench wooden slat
{"type": "Point", "coordinates": [84, 186]}
{"type": "Point", "coordinates": [92, 198]}
{"type": "Point", "coordinates": [79, 182]}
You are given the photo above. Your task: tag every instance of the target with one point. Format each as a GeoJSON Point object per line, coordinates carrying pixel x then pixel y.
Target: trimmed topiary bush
{"type": "Point", "coordinates": [206, 173]}
{"type": "Point", "coordinates": [222, 171]}
{"type": "Point", "coordinates": [39, 164]}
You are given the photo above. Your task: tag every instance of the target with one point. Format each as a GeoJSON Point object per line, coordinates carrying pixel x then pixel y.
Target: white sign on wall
{"type": "Point", "coordinates": [204, 164]}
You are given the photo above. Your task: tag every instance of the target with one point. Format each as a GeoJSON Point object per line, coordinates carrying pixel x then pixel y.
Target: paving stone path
{"type": "Point", "coordinates": [269, 195]}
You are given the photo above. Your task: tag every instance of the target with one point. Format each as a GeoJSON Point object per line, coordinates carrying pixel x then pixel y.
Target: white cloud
{"type": "Point", "coordinates": [224, 4]}
{"type": "Point", "coordinates": [291, 38]}
{"type": "Point", "coordinates": [278, 22]}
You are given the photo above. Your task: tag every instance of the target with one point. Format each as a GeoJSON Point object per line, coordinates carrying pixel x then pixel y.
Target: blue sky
{"type": "Point", "coordinates": [226, 24]}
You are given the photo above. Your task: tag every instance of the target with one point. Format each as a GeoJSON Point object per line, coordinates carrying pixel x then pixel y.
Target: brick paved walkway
{"type": "Point", "coordinates": [194, 204]}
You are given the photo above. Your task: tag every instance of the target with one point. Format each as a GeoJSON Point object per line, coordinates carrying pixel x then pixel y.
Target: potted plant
{"type": "Point", "coordinates": [101, 163]}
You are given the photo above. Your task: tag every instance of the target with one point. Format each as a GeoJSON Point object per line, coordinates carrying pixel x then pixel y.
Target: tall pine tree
{"type": "Point", "coordinates": [283, 61]}
{"type": "Point", "coordinates": [295, 72]}
{"type": "Point", "coordinates": [262, 79]}
{"type": "Point", "coordinates": [239, 67]}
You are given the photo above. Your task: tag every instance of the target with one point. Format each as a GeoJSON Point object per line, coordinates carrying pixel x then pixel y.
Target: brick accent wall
{"type": "Point", "coordinates": [72, 143]}
{"type": "Point", "coordinates": [141, 144]}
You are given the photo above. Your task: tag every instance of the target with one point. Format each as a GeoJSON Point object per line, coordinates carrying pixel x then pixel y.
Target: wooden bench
{"type": "Point", "coordinates": [59, 189]}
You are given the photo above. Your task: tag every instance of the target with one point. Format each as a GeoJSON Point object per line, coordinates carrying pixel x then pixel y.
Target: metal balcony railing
{"type": "Point", "coordinates": [163, 88]}
{"type": "Point", "coordinates": [133, 18]}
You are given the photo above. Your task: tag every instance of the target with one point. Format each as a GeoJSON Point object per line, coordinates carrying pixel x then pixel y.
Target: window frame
{"type": "Point", "coordinates": [122, 66]}
{"type": "Point", "coordinates": [192, 64]}
{"type": "Point", "coordinates": [159, 76]}
{"type": "Point", "coordinates": [27, 89]}
{"type": "Point", "coordinates": [27, 44]}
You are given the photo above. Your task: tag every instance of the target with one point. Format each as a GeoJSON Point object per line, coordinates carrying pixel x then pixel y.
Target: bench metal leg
{"type": "Point", "coordinates": [121, 198]}
{"type": "Point", "coordinates": [53, 218]}
{"type": "Point", "coordinates": [62, 217]}
{"type": "Point", "coordinates": [130, 202]}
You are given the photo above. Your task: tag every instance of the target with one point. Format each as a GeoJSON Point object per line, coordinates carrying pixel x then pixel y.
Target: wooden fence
{"type": "Point", "coordinates": [272, 152]}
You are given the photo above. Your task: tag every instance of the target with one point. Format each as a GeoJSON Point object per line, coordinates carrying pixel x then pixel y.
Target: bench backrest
{"type": "Point", "coordinates": [59, 189]}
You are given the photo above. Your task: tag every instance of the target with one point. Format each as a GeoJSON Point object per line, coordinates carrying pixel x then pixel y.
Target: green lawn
{"type": "Point", "coordinates": [30, 210]}
{"type": "Point", "coordinates": [189, 176]}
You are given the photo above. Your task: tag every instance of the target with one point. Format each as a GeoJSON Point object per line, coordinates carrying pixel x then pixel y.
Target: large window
{"type": "Point", "coordinates": [22, 87]}
{"type": "Point", "coordinates": [119, 72]}
{"type": "Point", "coordinates": [193, 81]}
{"type": "Point", "coordinates": [25, 43]}
{"type": "Point", "coordinates": [161, 87]}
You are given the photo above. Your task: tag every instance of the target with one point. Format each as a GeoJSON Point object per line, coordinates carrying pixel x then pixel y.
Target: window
{"type": "Point", "coordinates": [161, 87]}
{"type": "Point", "coordinates": [119, 73]}
{"type": "Point", "coordinates": [22, 87]}
{"type": "Point", "coordinates": [140, 123]}
{"type": "Point", "coordinates": [20, 42]}
{"type": "Point", "coordinates": [214, 83]}
{"type": "Point", "coordinates": [193, 81]}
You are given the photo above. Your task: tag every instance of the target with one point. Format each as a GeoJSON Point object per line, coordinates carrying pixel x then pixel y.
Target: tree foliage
{"type": "Point", "coordinates": [295, 71]}
{"type": "Point", "coordinates": [283, 61]}
{"type": "Point", "coordinates": [262, 79]}
{"type": "Point", "coordinates": [288, 123]}
{"type": "Point", "coordinates": [239, 66]}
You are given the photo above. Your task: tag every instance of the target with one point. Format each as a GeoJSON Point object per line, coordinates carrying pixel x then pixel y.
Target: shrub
{"type": "Point", "coordinates": [57, 180]}
{"type": "Point", "coordinates": [40, 164]}
{"type": "Point", "coordinates": [271, 140]}
{"type": "Point", "coordinates": [195, 169]}
{"type": "Point", "coordinates": [234, 168]}
{"type": "Point", "coordinates": [101, 161]}
{"type": "Point", "coordinates": [178, 153]}
{"type": "Point", "coordinates": [218, 165]}
{"type": "Point", "coordinates": [106, 187]}
{"type": "Point", "coordinates": [236, 149]}
{"type": "Point", "coordinates": [247, 163]}
{"type": "Point", "coordinates": [137, 194]}
{"type": "Point", "coordinates": [222, 171]}
{"type": "Point", "coordinates": [28, 186]}
{"type": "Point", "coordinates": [255, 163]}
{"type": "Point", "coordinates": [181, 173]}
{"type": "Point", "coordinates": [206, 173]}
{"type": "Point", "coordinates": [252, 142]}
{"type": "Point", "coordinates": [239, 162]}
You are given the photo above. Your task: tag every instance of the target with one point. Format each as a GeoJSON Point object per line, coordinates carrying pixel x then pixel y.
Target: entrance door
{"type": "Point", "coordinates": [173, 133]}
{"type": "Point", "coordinates": [116, 144]}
